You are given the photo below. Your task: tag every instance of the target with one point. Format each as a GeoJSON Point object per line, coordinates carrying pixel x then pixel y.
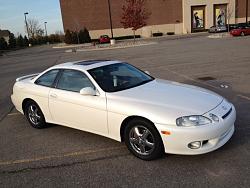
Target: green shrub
{"type": "Point", "coordinates": [12, 41]}
{"type": "Point", "coordinates": [3, 44]}
{"type": "Point", "coordinates": [84, 36]}
{"type": "Point", "coordinates": [74, 37]}
{"type": "Point", "coordinates": [20, 41]}
{"type": "Point", "coordinates": [25, 41]}
{"type": "Point", "coordinates": [68, 37]}
{"type": "Point", "coordinates": [54, 38]}
{"type": "Point", "coordinates": [127, 37]}
{"type": "Point", "coordinates": [158, 34]}
{"type": "Point", "coordinates": [170, 33]}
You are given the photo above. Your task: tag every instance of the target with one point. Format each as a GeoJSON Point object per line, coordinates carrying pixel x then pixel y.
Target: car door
{"type": "Point", "coordinates": [68, 107]}
{"type": "Point", "coordinates": [40, 90]}
{"type": "Point", "coordinates": [248, 30]}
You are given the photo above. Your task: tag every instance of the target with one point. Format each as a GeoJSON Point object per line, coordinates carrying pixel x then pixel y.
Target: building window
{"type": "Point", "coordinates": [198, 18]}
{"type": "Point", "coordinates": [220, 15]}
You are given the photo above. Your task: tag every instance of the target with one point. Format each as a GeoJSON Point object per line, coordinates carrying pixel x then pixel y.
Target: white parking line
{"type": "Point", "coordinates": [189, 78]}
{"type": "Point", "coordinates": [14, 114]}
{"type": "Point", "coordinates": [244, 97]}
{"type": "Point", "coordinates": [48, 157]}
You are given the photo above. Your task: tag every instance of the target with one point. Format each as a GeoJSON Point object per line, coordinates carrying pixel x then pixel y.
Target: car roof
{"type": "Point", "coordinates": [85, 64]}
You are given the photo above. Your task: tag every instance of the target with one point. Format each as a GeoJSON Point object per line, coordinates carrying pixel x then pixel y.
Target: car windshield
{"type": "Point", "coordinates": [119, 76]}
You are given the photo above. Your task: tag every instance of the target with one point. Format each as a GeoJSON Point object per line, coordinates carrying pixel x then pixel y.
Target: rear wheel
{"type": "Point", "coordinates": [34, 115]}
{"type": "Point", "coordinates": [242, 33]}
{"type": "Point", "coordinates": [143, 139]}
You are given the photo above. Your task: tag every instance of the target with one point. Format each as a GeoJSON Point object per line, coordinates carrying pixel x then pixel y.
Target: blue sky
{"type": "Point", "coordinates": [12, 14]}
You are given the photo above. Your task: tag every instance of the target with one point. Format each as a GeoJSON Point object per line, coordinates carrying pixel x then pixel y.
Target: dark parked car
{"type": "Point", "coordinates": [104, 39]}
{"type": "Point", "coordinates": [232, 26]}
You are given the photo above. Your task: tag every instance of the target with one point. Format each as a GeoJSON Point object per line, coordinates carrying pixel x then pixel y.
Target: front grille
{"type": "Point", "coordinates": [227, 114]}
{"type": "Point", "coordinates": [204, 142]}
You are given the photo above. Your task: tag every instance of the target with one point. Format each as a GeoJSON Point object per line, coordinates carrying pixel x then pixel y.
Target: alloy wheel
{"type": "Point", "coordinates": [142, 140]}
{"type": "Point", "coordinates": [33, 114]}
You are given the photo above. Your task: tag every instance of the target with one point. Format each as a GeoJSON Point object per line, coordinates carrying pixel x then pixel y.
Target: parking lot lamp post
{"type": "Point", "coordinates": [26, 23]}
{"type": "Point", "coordinates": [46, 34]}
{"type": "Point", "coordinates": [110, 20]}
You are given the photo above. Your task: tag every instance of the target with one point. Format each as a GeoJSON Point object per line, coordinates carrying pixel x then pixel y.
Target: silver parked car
{"type": "Point", "coordinates": [217, 29]}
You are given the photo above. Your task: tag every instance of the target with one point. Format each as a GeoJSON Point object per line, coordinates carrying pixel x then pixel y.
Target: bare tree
{"type": "Point", "coordinates": [59, 32]}
{"type": "Point", "coordinates": [34, 28]}
{"type": "Point", "coordinates": [77, 27]}
{"type": "Point", "coordinates": [134, 15]}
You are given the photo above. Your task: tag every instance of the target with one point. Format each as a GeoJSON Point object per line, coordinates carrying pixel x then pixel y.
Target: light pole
{"type": "Point", "coordinates": [26, 23]}
{"type": "Point", "coordinates": [45, 29]}
{"type": "Point", "coordinates": [110, 20]}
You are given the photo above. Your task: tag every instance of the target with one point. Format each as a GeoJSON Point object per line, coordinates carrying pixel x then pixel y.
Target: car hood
{"type": "Point", "coordinates": [161, 98]}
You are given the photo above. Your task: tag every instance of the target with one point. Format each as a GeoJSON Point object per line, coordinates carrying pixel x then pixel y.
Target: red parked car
{"type": "Point", "coordinates": [241, 31]}
{"type": "Point", "coordinates": [104, 39]}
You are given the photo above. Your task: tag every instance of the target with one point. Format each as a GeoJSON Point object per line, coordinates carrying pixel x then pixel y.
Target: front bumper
{"type": "Point", "coordinates": [211, 136]}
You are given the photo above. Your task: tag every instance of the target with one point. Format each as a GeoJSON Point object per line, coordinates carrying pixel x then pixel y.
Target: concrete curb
{"type": "Point", "coordinates": [73, 46]}
{"type": "Point", "coordinates": [111, 47]}
{"type": "Point", "coordinates": [152, 39]}
{"type": "Point", "coordinates": [220, 35]}
{"type": "Point", "coordinates": [181, 36]}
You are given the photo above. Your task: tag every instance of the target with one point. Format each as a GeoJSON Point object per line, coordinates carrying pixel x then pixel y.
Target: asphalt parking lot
{"type": "Point", "coordinates": [62, 157]}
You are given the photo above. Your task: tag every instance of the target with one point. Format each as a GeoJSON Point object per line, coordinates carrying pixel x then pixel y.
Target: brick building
{"type": "Point", "coordinates": [179, 16]}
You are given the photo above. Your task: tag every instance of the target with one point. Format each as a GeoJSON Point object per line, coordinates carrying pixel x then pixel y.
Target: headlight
{"type": "Point", "coordinates": [195, 120]}
{"type": "Point", "coordinates": [214, 117]}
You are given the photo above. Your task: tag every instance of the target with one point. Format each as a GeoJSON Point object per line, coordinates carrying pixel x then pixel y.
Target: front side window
{"type": "Point", "coordinates": [48, 78]}
{"type": "Point", "coordinates": [72, 80]}
{"type": "Point", "coordinates": [119, 76]}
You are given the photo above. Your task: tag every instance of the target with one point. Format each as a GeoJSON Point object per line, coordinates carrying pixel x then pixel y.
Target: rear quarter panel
{"type": "Point", "coordinates": [27, 90]}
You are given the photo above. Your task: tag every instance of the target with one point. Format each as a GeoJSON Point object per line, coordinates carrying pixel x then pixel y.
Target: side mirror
{"type": "Point", "coordinates": [88, 91]}
{"type": "Point", "coordinates": [147, 72]}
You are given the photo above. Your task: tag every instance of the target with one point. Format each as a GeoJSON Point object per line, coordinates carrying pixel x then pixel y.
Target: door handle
{"type": "Point", "coordinates": [53, 95]}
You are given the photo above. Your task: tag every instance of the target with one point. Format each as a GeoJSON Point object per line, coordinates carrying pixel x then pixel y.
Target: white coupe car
{"type": "Point", "coordinates": [116, 100]}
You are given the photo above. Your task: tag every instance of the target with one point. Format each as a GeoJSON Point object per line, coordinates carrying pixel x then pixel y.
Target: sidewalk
{"type": "Point", "coordinates": [176, 37]}
{"type": "Point", "coordinates": [127, 43]}
{"type": "Point", "coordinates": [118, 45]}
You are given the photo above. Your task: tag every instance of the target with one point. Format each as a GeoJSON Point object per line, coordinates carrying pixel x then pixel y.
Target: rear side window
{"type": "Point", "coordinates": [47, 79]}
{"type": "Point", "coordinates": [72, 80]}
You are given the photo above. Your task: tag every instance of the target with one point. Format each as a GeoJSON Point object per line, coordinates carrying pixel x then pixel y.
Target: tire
{"type": "Point", "coordinates": [143, 140]}
{"type": "Point", "coordinates": [242, 34]}
{"type": "Point", "coordinates": [34, 115]}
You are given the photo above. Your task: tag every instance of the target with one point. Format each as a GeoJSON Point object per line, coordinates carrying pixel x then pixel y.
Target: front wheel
{"type": "Point", "coordinates": [242, 34]}
{"type": "Point", "coordinates": [34, 115]}
{"type": "Point", "coordinates": [143, 140]}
